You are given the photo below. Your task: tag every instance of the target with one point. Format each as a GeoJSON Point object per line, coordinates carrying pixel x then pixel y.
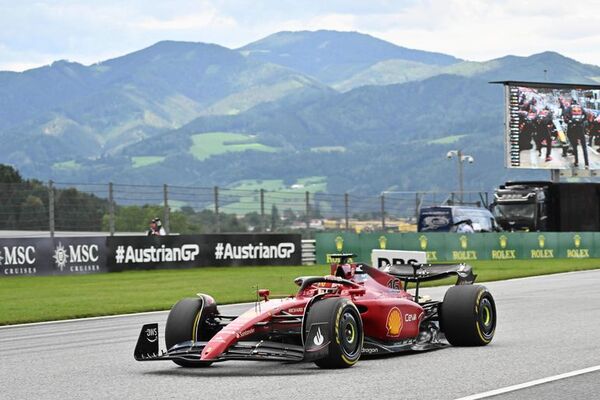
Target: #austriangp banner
{"type": "Point", "coordinates": [84, 255]}
{"type": "Point", "coordinates": [187, 251]}
{"type": "Point", "coordinates": [457, 247]}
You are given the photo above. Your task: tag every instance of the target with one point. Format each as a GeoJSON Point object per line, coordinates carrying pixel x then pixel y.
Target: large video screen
{"type": "Point", "coordinates": [552, 126]}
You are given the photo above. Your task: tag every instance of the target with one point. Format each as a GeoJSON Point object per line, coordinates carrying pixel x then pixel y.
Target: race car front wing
{"type": "Point", "coordinates": [147, 349]}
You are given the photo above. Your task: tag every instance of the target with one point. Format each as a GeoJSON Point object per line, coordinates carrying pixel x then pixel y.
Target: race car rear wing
{"type": "Point", "coordinates": [430, 272]}
{"type": "Point", "coordinates": [418, 273]}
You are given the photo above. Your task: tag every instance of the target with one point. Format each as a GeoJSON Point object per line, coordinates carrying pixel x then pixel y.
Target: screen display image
{"type": "Point", "coordinates": [553, 126]}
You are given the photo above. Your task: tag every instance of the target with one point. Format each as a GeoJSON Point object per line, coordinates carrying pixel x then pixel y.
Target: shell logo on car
{"type": "Point", "coordinates": [394, 322]}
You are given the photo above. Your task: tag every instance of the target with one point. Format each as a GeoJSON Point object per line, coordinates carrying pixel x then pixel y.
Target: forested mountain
{"type": "Point", "coordinates": [364, 114]}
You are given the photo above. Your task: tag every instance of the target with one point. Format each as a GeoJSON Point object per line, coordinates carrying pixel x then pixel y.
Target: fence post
{"type": "Point", "coordinates": [346, 210]}
{"type": "Point", "coordinates": [382, 212]}
{"type": "Point", "coordinates": [217, 222]}
{"type": "Point", "coordinates": [417, 204]}
{"type": "Point", "coordinates": [51, 208]}
{"type": "Point", "coordinates": [307, 209]}
{"type": "Point", "coordinates": [166, 213]}
{"type": "Point", "coordinates": [111, 209]}
{"type": "Point", "coordinates": [262, 210]}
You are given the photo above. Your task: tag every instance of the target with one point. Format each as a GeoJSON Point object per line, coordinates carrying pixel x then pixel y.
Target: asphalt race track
{"type": "Point", "coordinates": [547, 326]}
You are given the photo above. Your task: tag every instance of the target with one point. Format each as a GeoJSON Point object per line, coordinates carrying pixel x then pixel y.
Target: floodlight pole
{"type": "Point", "coordinates": [461, 176]}
{"type": "Point", "coordinates": [461, 158]}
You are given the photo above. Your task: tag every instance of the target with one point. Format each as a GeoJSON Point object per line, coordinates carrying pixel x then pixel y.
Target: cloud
{"type": "Point", "coordinates": [92, 30]}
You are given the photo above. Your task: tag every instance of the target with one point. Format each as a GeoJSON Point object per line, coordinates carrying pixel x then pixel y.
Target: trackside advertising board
{"type": "Point", "coordinates": [457, 247]}
{"type": "Point", "coordinates": [84, 255]}
{"type": "Point", "coordinates": [189, 251]}
{"type": "Point", "coordinates": [47, 256]}
{"type": "Point", "coordinates": [381, 258]}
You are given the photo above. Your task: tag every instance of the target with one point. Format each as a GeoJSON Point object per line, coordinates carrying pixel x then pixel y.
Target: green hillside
{"type": "Point", "coordinates": [332, 56]}
{"type": "Point", "coordinates": [363, 114]}
{"type": "Point", "coordinates": [558, 69]}
{"type": "Point", "coordinates": [68, 110]}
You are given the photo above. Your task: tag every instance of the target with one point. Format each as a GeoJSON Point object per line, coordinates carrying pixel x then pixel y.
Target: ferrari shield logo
{"type": "Point", "coordinates": [394, 322]}
{"type": "Point", "coordinates": [541, 241]}
{"type": "Point", "coordinates": [382, 242]}
{"type": "Point", "coordinates": [464, 242]}
{"type": "Point", "coordinates": [423, 242]}
{"type": "Point", "coordinates": [577, 240]}
{"type": "Point", "coordinates": [503, 241]}
{"type": "Point", "coordinates": [339, 243]}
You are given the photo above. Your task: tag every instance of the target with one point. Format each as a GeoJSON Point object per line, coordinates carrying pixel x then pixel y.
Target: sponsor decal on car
{"type": "Point", "coordinates": [245, 333]}
{"type": "Point", "coordinates": [151, 334]}
{"type": "Point", "coordinates": [394, 322]}
{"type": "Point", "coordinates": [370, 350]}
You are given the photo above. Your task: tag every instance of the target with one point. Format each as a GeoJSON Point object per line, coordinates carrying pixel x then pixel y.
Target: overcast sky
{"type": "Point", "coordinates": [34, 33]}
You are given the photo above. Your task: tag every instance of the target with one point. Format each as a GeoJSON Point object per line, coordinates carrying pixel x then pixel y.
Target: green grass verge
{"type": "Point", "coordinates": [30, 299]}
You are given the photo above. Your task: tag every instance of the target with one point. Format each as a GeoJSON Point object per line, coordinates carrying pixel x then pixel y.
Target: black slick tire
{"type": "Point", "coordinates": [344, 328]}
{"type": "Point", "coordinates": [468, 316]}
{"type": "Point", "coordinates": [183, 324]}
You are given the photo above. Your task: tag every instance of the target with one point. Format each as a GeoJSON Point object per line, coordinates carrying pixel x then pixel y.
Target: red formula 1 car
{"type": "Point", "coordinates": [332, 320]}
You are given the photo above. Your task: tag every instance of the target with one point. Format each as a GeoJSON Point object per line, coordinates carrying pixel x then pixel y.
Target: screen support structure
{"type": "Point", "coordinates": [555, 175]}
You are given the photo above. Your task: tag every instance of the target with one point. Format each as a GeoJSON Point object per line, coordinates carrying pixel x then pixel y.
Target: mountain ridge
{"type": "Point", "coordinates": [136, 118]}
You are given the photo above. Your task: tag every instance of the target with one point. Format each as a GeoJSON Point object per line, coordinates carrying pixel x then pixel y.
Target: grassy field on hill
{"type": "Point", "coordinates": [210, 144]}
{"type": "Point", "coordinates": [276, 192]}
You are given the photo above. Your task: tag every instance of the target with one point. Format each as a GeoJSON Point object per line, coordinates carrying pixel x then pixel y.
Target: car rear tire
{"type": "Point", "coordinates": [344, 328]}
{"type": "Point", "coordinates": [186, 321]}
{"type": "Point", "coordinates": [468, 316]}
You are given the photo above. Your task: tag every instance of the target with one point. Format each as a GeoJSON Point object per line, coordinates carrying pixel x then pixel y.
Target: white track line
{"type": "Point", "coordinates": [62, 321]}
{"type": "Point", "coordinates": [530, 384]}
